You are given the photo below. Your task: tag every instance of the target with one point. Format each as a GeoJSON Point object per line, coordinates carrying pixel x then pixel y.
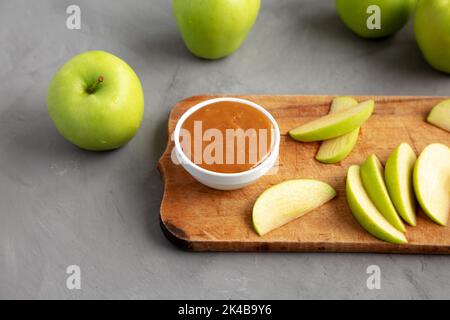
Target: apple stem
{"type": "Point", "coordinates": [94, 87]}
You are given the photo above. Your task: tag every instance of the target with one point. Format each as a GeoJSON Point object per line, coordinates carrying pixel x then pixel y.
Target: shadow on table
{"type": "Point", "coordinates": [403, 55]}
{"type": "Point", "coordinates": [36, 156]}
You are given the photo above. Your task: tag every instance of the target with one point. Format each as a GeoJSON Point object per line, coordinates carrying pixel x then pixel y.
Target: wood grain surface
{"type": "Point", "coordinates": [198, 218]}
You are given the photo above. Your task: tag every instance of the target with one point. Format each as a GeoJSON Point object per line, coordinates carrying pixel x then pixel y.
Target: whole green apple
{"type": "Point", "coordinates": [392, 15]}
{"type": "Point", "coordinates": [432, 28]}
{"type": "Point", "coordinates": [96, 101]}
{"type": "Point", "coordinates": [213, 29]}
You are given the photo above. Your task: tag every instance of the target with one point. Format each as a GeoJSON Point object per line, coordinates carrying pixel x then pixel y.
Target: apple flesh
{"type": "Point", "coordinates": [213, 29]}
{"type": "Point", "coordinates": [337, 149]}
{"type": "Point", "coordinates": [372, 176]}
{"type": "Point", "coordinates": [366, 212]}
{"type": "Point", "coordinates": [432, 182]}
{"type": "Point", "coordinates": [432, 29]}
{"type": "Point", "coordinates": [440, 115]}
{"type": "Point", "coordinates": [288, 201]}
{"type": "Point", "coordinates": [394, 14]}
{"type": "Point", "coordinates": [399, 181]}
{"type": "Point", "coordinates": [334, 125]}
{"type": "Point", "coordinates": [96, 101]}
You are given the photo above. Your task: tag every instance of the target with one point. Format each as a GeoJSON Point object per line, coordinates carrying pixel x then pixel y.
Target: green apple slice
{"type": "Point", "coordinates": [365, 211]}
{"type": "Point", "coordinates": [432, 182]}
{"type": "Point", "coordinates": [372, 176]}
{"type": "Point", "coordinates": [399, 181]}
{"type": "Point", "coordinates": [288, 201]}
{"type": "Point", "coordinates": [334, 125]}
{"type": "Point", "coordinates": [337, 149]}
{"type": "Point", "coordinates": [440, 115]}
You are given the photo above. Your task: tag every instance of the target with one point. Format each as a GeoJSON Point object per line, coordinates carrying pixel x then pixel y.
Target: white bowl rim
{"type": "Point", "coordinates": [185, 159]}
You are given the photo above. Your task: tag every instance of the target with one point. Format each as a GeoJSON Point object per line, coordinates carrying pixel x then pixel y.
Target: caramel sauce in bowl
{"type": "Point", "coordinates": [227, 143]}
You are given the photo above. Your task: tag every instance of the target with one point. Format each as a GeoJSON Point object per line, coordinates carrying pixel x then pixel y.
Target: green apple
{"type": "Point", "coordinates": [365, 211]}
{"type": "Point", "coordinates": [372, 176]}
{"type": "Point", "coordinates": [393, 15]}
{"type": "Point", "coordinates": [213, 29]}
{"type": "Point", "coordinates": [432, 29]}
{"type": "Point", "coordinates": [432, 182]}
{"type": "Point", "coordinates": [399, 181]}
{"type": "Point", "coordinates": [96, 101]}
{"type": "Point", "coordinates": [334, 125]}
{"type": "Point", "coordinates": [440, 115]}
{"type": "Point", "coordinates": [337, 149]}
{"type": "Point", "coordinates": [288, 201]}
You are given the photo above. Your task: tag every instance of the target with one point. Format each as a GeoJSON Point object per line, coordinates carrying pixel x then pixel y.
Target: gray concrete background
{"type": "Point", "coordinates": [60, 206]}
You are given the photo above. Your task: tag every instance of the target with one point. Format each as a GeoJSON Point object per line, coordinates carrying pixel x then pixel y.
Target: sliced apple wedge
{"type": "Point", "coordinates": [366, 213]}
{"type": "Point", "coordinates": [399, 181]}
{"type": "Point", "coordinates": [287, 201]}
{"type": "Point", "coordinates": [337, 149]}
{"type": "Point", "coordinates": [432, 182]}
{"type": "Point", "coordinates": [440, 115]}
{"type": "Point", "coordinates": [334, 125]}
{"type": "Point", "coordinates": [372, 176]}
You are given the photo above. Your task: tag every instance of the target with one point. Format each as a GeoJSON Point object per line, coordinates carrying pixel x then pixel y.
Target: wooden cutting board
{"type": "Point", "coordinates": [198, 218]}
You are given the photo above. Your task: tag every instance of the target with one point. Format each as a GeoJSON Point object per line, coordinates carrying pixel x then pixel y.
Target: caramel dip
{"type": "Point", "coordinates": [227, 137]}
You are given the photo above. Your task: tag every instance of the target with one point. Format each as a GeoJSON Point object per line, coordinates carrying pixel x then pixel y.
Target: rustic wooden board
{"type": "Point", "coordinates": [198, 218]}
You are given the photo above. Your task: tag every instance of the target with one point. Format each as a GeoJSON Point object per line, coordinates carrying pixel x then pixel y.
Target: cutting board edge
{"type": "Point", "coordinates": [185, 244]}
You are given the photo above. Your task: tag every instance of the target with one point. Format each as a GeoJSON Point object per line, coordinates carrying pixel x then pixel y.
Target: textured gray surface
{"type": "Point", "coordinates": [60, 206]}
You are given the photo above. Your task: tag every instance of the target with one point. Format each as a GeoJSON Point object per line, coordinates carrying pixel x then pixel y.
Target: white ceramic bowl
{"type": "Point", "coordinates": [227, 181]}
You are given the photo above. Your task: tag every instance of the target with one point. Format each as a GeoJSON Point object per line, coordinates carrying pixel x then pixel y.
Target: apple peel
{"type": "Point", "coordinates": [365, 211]}
{"type": "Point", "coordinates": [337, 149]}
{"type": "Point", "coordinates": [334, 125]}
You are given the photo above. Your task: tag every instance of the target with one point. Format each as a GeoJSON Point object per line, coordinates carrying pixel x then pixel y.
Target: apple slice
{"type": "Point", "coordinates": [432, 182]}
{"type": "Point", "coordinates": [337, 149]}
{"type": "Point", "coordinates": [440, 115]}
{"type": "Point", "coordinates": [372, 176]}
{"type": "Point", "coordinates": [288, 201]}
{"type": "Point", "coordinates": [365, 211]}
{"type": "Point", "coordinates": [399, 181]}
{"type": "Point", "coordinates": [334, 125]}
